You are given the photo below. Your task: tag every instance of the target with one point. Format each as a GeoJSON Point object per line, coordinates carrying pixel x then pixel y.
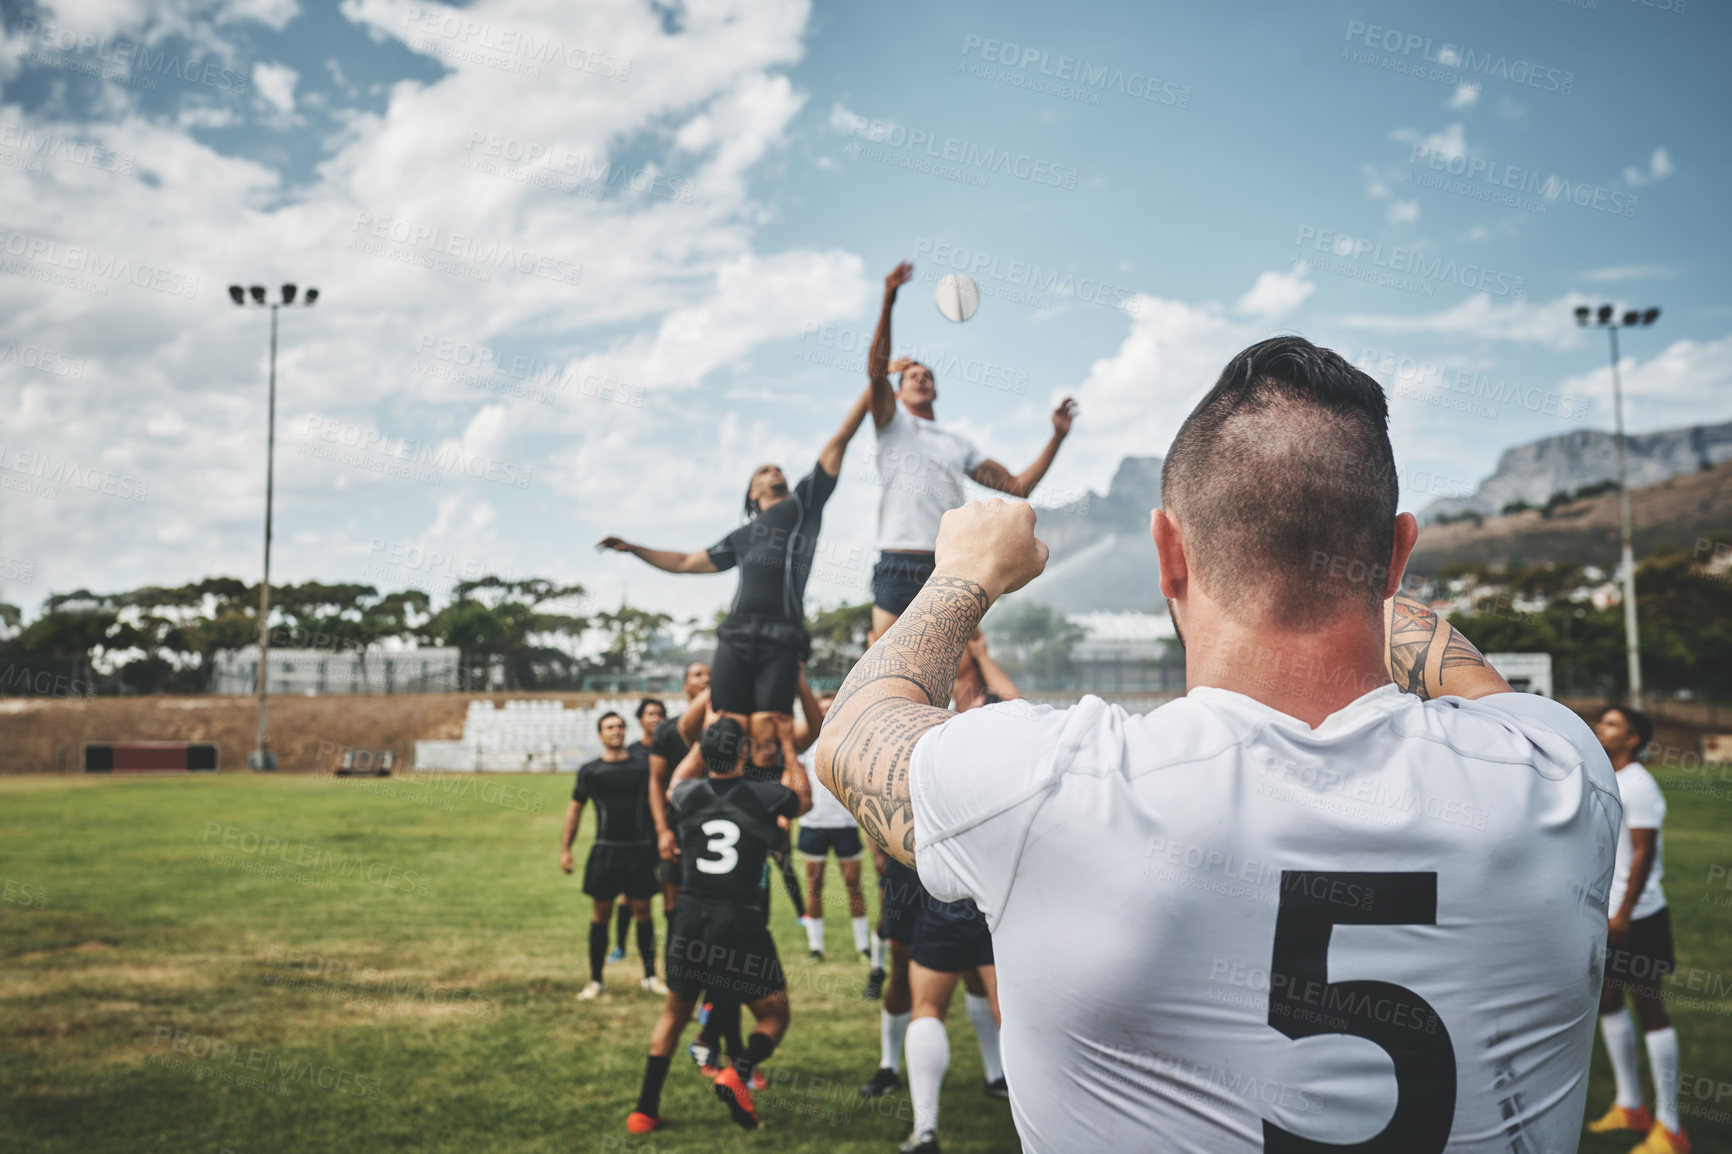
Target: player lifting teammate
{"type": "Point", "coordinates": [726, 826]}
{"type": "Point", "coordinates": [922, 466]}
{"type": "Point", "coordinates": [763, 640]}
{"type": "Point", "coordinates": [623, 858]}
{"type": "Point", "coordinates": [650, 714]}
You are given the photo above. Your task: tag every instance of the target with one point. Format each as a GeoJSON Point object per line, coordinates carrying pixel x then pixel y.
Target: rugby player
{"type": "Point", "coordinates": [1350, 833]}
{"type": "Point", "coordinates": [727, 825]}
{"type": "Point", "coordinates": [673, 738]}
{"type": "Point", "coordinates": [650, 713]}
{"type": "Point", "coordinates": [763, 640]}
{"type": "Point", "coordinates": [922, 466]}
{"type": "Point", "coordinates": [1639, 947]}
{"type": "Point", "coordinates": [623, 857]}
{"type": "Point", "coordinates": [827, 829]}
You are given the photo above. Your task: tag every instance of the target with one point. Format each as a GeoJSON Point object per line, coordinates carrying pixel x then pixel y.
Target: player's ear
{"type": "Point", "coordinates": [1406, 536]}
{"type": "Point", "coordinates": [1170, 547]}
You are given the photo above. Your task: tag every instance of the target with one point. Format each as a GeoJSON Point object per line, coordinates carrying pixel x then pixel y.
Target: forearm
{"type": "Point", "coordinates": [830, 459]}
{"type": "Point", "coordinates": [883, 397]}
{"type": "Point", "coordinates": [688, 767]}
{"type": "Point", "coordinates": [573, 817]}
{"type": "Point", "coordinates": [1024, 482]}
{"type": "Point", "coordinates": [691, 722]}
{"type": "Point", "coordinates": [794, 774]}
{"type": "Point", "coordinates": [996, 680]}
{"type": "Point", "coordinates": [1428, 657]}
{"type": "Point", "coordinates": [1641, 865]}
{"type": "Point", "coordinates": [658, 792]}
{"type": "Point", "coordinates": [668, 560]}
{"type": "Point", "coordinates": [893, 696]}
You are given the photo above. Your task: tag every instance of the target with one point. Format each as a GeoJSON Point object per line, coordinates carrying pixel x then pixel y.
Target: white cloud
{"type": "Point", "coordinates": [1466, 95]}
{"type": "Point", "coordinates": [1550, 324]}
{"type": "Point", "coordinates": [1404, 212]}
{"type": "Point", "coordinates": [1659, 168]}
{"type": "Point", "coordinates": [1449, 144]}
{"type": "Point", "coordinates": [1670, 388]}
{"type": "Point", "coordinates": [275, 84]}
{"type": "Point", "coordinates": [1618, 272]}
{"type": "Point", "coordinates": [1276, 293]}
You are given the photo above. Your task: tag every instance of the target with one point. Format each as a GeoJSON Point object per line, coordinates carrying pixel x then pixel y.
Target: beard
{"type": "Point", "coordinates": [779, 489]}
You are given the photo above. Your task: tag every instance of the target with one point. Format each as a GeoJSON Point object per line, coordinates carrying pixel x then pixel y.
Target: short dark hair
{"type": "Point", "coordinates": [646, 703]}
{"type": "Point", "coordinates": [722, 744]}
{"type": "Point", "coordinates": [602, 720]}
{"type": "Point", "coordinates": [1284, 483]}
{"type": "Point", "coordinates": [1640, 724]}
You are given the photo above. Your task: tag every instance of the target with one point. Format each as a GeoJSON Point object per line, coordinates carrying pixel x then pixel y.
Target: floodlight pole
{"type": "Point", "coordinates": [265, 585]}
{"type": "Point", "coordinates": [1626, 556]}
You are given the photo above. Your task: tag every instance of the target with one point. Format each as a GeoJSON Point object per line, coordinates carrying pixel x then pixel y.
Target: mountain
{"type": "Point", "coordinates": [1102, 555]}
{"type": "Point", "coordinates": [1534, 471]}
{"type": "Point", "coordinates": [1692, 511]}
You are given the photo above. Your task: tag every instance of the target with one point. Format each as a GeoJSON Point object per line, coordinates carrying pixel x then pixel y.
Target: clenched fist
{"type": "Point", "coordinates": [991, 543]}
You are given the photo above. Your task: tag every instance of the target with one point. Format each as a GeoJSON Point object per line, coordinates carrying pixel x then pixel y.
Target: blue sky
{"type": "Point", "coordinates": [584, 266]}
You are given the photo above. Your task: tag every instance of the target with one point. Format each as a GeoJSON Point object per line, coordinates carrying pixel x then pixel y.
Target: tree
{"type": "Point", "coordinates": [505, 623]}
{"type": "Point", "coordinates": [838, 640]}
{"type": "Point", "coordinates": [1033, 640]}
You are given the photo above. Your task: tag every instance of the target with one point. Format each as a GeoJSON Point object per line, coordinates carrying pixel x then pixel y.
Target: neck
{"type": "Point", "coordinates": [1621, 760]}
{"type": "Point", "coordinates": [922, 410]}
{"type": "Point", "coordinates": [767, 502]}
{"type": "Point", "coordinates": [611, 754]}
{"type": "Point", "coordinates": [1304, 675]}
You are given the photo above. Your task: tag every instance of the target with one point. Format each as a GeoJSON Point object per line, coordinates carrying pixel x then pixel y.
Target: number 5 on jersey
{"type": "Point", "coordinates": [723, 835]}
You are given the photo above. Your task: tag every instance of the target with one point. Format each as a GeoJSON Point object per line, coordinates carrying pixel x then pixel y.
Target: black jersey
{"type": "Point", "coordinates": [670, 744]}
{"type": "Point", "coordinates": [640, 752]}
{"type": "Point", "coordinates": [619, 791]}
{"type": "Point", "coordinates": [726, 831]}
{"type": "Point", "coordinates": [774, 552]}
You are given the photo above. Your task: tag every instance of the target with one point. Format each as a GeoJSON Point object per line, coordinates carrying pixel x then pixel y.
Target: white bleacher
{"type": "Point", "coordinates": [524, 737]}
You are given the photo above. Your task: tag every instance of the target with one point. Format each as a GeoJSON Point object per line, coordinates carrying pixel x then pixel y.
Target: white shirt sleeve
{"type": "Point", "coordinates": [972, 456]}
{"type": "Point", "coordinates": [1644, 804]}
{"type": "Point", "coordinates": [976, 782]}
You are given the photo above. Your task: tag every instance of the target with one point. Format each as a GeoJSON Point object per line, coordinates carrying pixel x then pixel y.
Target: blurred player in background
{"type": "Point", "coordinates": [623, 859]}
{"type": "Point", "coordinates": [828, 828]}
{"type": "Point", "coordinates": [650, 713]}
{"type": "Point", "coordinates": [921, 466]}
{"type": "Point", "coordinates": [1638, 947]}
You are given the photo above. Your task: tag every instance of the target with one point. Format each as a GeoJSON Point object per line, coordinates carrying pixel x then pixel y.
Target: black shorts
{"type": "Point", "coordinates": [620, 869]}
{"type": "Point", "coordinates": [900, 896]}
{"type": "Point", "coordinates": [757, 666]}
{"type": "Point", "coordinates": [898, 578]}
{"type": "Point", "coordinates": [722, 948]}
{"type": "Point", "coordinates": [843, 842]}
{"type": "Point", "coordinates": [951, 937]}
{"type": "Point", "coordinates": [1643, 959]}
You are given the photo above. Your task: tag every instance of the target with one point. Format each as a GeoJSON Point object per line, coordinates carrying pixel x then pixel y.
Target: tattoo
{"type": "Point", "coordinates": [1423, 645]}
{"type": "Point", "coordinates": [891, 698]}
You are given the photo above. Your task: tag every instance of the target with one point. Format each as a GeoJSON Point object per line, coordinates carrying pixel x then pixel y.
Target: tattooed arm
{"type": "Point", "coordinates": [898, 691]}
{"type": "Point", "coordinates": [1429, 657]}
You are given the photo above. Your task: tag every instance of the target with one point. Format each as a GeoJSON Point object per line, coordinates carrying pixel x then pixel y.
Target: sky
{"type": "Point", "coordinates": [583, 267]}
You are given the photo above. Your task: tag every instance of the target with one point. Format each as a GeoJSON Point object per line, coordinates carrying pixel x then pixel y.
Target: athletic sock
{"type": "Point", "coordinates": [1620, 1036]}
{"type": "Point", "coordinates": [1663, 1063]}
{"type": "Point", "coordinates": [986, 1032]}
{"type": "Point", "coordinates": [814, 933]}
{"type": "Point", "coordinates": [891, 1028]}
{"type": "Point", "coordinates": [621, 921]}
{"type": "Point", "coordinates": [597, 949]}
{"type": "Point", "coordinates": [758, 1048]}
{"type": "Point", "coordinates": [928, 1055]}
{"type": "Point", "coordinates": [649, 1098]}
{"type": "Point", "coordinates": [877, 952]}
{"type": "Point", "coordinates": [862, 932]}
{"type": "Point", "coordinates": [646, 947]}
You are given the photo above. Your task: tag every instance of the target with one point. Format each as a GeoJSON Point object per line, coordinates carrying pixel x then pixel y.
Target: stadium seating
{"type": "Point", "coordinates": [523, 737]}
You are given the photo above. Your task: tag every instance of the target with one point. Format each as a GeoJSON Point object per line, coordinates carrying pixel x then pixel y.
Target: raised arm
{"type": "Point", "coordinates": [878, 360]}
{"type": "Point", "coordinates": [667, 845]}
{"type": "Point", "coordinates": [995, 476]}
{"type": "Point", "coordinates": [690, 766]}
{"type": "Point", "coordinates": [691, 722]}
{"type": "Point", "coordinates": [793, 773]}
{"type": "Point", "coordinates": [806, 729]}
{"type": "Point", "coordinates": [669, 560]}
{"type": "Point", "coordinates": [830, 457]}
{"type": "Point", "coordinates": [1429, 657]}
{"type": "Point", "coordinates": [896, 693]}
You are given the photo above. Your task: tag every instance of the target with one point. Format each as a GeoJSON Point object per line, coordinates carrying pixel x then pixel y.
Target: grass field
{"type": "Point", "coordinates": [162, 992]}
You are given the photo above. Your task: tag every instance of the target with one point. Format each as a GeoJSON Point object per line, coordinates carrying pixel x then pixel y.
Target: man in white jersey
{"type": "Point", "coordinates": [827, 828]}
{"type": "Point", "coordinates": [1343, 890]}
{"type": "Point", "coordinates": [1639, 947]}
{"type": "Point", "coordinates": [921, 465]}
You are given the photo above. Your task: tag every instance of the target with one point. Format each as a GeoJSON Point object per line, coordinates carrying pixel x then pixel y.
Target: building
{"type": "Point", "coordinates": [312, 672]}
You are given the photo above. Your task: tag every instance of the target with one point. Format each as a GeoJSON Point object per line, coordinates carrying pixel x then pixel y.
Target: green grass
{"type": "Point", "coordinates": [454, 1024]}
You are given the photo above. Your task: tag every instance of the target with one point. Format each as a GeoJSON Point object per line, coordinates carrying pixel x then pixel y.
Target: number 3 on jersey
{"type": "Point", "coordinates": [723, 835]}
{"type": "Point", "coordinates": [1303, 1002]}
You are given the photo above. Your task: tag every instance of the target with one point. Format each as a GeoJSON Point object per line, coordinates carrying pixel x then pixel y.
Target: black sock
{"type": "Point", "coordinates": [758, 1048]}
{"type": "Point", "coordinates": [597, 949]}
{"type": "Point", "coordinates": [649, 1099]}
{"type": "Point", "coordinates": [622, 920]}
{"type": "Point", "coordinates": [646, 947]}
{"type": "Point", "coordinates": [731, 1028]}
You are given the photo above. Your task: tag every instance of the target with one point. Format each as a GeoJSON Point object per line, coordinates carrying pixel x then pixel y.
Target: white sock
{"type": "Point", "coordinates": [891, 1028]}
{"type": "Point", "coordinates": [877, 952]}
{"type": "Point", "coordinates": [1620, 1036]}
{"type": "Point", "coordinates": [928, 1055]}
{"type": "Point", "coordinates": [814, 933]}
{"type": "Point", "coordinates": [861, 933]}
{"type": "Point", "coordinates": [986, 1032]}
{"type": "Point", "coordinates": [1663, 1063]}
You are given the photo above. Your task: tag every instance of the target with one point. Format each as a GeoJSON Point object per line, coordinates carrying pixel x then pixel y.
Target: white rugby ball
{"type": "Point", "coordinates": [958, 296]}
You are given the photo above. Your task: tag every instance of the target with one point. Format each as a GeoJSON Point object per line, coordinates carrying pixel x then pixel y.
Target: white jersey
{"type": "Point", "coordinates": [826, 811]}
{"type": "Point", "coordinates": [1644, 808]}
{"type": "Point", "coordinates": [1391, 926]}
{"type": "Point", "coordinates": [921, 467]}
